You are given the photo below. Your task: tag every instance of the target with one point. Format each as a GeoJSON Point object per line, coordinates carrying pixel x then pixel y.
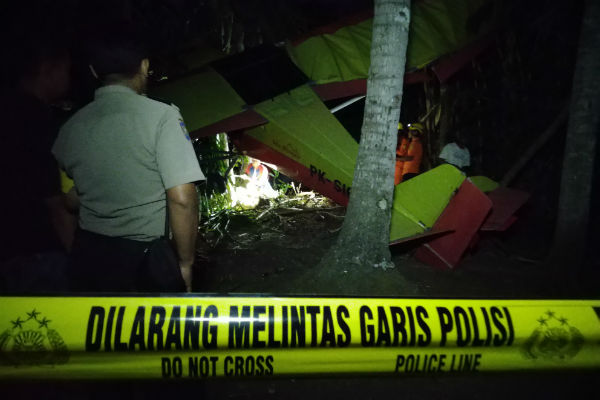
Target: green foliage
{"type": "Point", "coordinates": [214, 159]}
{"type": "Point", "coordinates": [216, 214]}
{"type": "Point", "coordinates": [282, 186]}
{"type": "Point", "coordinates": [217, 210]}
{"type": "Point", "coordinates": [214, 200]}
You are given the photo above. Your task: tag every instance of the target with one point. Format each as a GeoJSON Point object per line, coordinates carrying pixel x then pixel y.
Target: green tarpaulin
{"type": "Point", "coordinates": [437, 28]}
{"type": "Point", "coordinates": [419, 201]}
{"type": "Point", "coordinates": [302, 128]}
{"type": "Point", "coordinates": [203, 98]}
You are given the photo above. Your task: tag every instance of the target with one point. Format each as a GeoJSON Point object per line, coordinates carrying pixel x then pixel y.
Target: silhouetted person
{"type": "Point", "coordinates": [36, 228]}
{"type": "Point", "coordinates": [401, 151]}
{"type": "Point", "coordinates": [414, 153]}
{"type": "Point", "coordinates": [258, 173]}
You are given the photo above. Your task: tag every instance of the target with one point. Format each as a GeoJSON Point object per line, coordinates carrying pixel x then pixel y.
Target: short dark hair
{"type": "Point", "coordinates": [116, 49]}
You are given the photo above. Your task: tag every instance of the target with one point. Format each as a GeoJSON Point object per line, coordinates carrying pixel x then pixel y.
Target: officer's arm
{"type": "Point", "coordinates": [183, 215]}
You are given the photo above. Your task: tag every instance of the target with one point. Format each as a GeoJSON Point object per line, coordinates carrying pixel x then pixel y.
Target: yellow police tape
{"type": "Point", "coordinates": [202, 337]}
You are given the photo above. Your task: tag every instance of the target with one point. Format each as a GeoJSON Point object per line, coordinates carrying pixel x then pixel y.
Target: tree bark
{"type": "Point", "coordinates": [570, 237]}
{"type": "Point", "coordinates": [364, 237]}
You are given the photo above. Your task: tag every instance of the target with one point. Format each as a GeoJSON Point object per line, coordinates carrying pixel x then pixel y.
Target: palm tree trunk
{"type": "Point", "coordinates": [570, 238]}
{"type": "Point", "coordinates": [364, 237]}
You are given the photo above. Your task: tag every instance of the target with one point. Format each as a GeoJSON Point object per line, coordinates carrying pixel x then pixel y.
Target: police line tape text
{"type": "Point", "coordinates": [204, 367]}
{"type": "Point", "coordinates": [194, 327]}
{"type": "Point", "coordinates": [432, 363]}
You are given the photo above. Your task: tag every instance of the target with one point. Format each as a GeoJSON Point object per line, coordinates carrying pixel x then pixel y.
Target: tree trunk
{"type": "Point", "coordinates": [570, 237]}
{"type": "Point", "coordinates": [363, 240]}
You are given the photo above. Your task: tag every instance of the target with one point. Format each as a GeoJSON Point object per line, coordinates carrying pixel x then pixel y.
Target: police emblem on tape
{"type": "Point", "coordinates": [553, 339]}
{"type": "Point", "coordinates": [31, 341]}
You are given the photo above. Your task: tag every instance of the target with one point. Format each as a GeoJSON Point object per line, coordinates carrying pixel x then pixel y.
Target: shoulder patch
{"type": "Point", "coordinates": [184, 129]}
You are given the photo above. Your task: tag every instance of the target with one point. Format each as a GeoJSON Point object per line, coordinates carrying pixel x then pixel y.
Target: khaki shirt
{"type": "Point", "coordinates": [123, 151]}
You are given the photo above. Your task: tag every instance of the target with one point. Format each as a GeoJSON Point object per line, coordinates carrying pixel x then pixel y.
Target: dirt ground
{"type": "Point", "coordinates": [265, 251]}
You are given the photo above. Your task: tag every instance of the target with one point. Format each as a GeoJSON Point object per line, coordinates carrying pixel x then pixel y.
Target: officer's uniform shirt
{"type": "Point", "coordinates": [123, 151]}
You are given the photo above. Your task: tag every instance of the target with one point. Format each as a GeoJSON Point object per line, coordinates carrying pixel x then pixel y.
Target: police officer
{"type": "Point", "coordinates": [132, 164]}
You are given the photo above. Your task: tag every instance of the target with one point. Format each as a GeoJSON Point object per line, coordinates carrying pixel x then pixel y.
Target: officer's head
{"type": "Point", "coordinates": [117, 54]}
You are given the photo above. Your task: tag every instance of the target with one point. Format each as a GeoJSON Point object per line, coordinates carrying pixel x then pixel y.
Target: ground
{"type": "Point", "coordinates": [266, 251]}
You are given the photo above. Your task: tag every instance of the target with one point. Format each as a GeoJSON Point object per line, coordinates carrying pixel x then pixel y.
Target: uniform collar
{"type": "Point", "coordinates": [109, 89]}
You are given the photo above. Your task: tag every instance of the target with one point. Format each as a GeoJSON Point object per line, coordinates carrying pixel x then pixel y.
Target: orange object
{"type": "Point", "coordinates": [401, 151]}
{"type": "Point", "coordinates": [256, 172]}
{"type": "Point", "coordinates": [415, 149]}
